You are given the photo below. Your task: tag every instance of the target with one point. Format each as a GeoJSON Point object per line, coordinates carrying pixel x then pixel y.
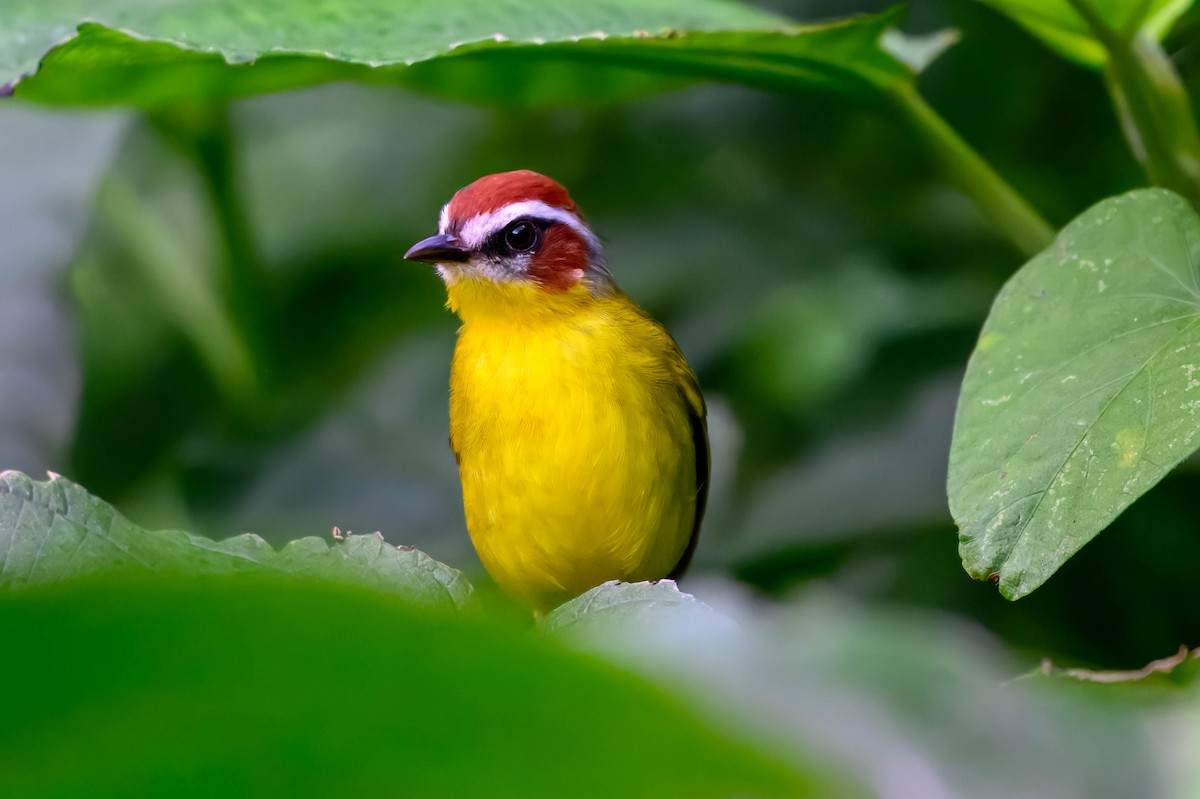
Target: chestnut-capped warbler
{"type": "Point", "coordinates": [578, 427]}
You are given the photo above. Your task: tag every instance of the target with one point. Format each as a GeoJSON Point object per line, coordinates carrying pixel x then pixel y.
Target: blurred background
{"type": "Point", "coordinates": [822, 276]}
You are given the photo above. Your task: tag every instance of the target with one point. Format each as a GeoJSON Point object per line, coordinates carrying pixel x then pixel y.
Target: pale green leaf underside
{"type": "Point", "coordinates": [1058, 24]}
{"type": "Point", "coordinates": [507, 52]}
{"type": "Point", "coordinates": [618, 604]}
{"type": "Point", "coordinates": [1084, 389]}
{"type": "Point", "coordinates": [55, 530]}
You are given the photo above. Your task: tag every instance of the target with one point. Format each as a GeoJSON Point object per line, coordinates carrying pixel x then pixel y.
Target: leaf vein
{"type": "Point", "coordinates": [1098, 345]}
{"type": "Point", "coordinates": [1083, 436]}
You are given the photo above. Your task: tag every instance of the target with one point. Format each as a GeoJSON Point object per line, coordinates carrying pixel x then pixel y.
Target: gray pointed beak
{"type": "Point", "coordinates": [440, 249]}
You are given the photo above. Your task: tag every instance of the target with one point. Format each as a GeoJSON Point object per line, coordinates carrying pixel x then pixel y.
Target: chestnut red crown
{"type": "Point", "coordinates": [492, 192]}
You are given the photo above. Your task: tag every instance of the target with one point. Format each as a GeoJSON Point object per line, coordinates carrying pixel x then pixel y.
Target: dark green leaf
{"type": "Point", "coordinates": [53, 531]}
{"type": "Point", "coordinates": [1082, 392]}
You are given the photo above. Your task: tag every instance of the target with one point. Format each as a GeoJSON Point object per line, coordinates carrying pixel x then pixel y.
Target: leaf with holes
{"type": "Point", "coordinates": [507, 53]}
{"type": "Point", "coordinates": [55, 530]}
{"type": "Point", "coordinates": [1083, 391]}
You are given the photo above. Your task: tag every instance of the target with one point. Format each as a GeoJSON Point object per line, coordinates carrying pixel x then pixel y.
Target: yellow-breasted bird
{"type": "Point", "coordinates": [578, 427]}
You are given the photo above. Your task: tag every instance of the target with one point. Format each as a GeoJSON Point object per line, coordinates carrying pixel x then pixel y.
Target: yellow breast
{"type": "Point", "coordinates": [573, 419]}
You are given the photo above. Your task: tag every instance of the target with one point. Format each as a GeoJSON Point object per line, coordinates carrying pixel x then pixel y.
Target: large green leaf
{"type": "Point", "coordinates": [516, 51]}
{"type": "Point", "coordinates": [252, 686]}
{"type": "Point", "coordinates": [1083, 390]}
{"type": "Point", "coordinates": [55, 530]}
{"type": "Point", "coordinates": [1058, 24]}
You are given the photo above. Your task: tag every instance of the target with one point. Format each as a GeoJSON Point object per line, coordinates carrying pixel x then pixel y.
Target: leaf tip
{"type": "Point", "coordinates": [918, 51]}
{"type": "Point", "coordinates": [1014, 589]}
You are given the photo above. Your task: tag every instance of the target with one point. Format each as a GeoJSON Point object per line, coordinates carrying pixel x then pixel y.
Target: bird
{"type": "Point", "coordinates": [578, 426]}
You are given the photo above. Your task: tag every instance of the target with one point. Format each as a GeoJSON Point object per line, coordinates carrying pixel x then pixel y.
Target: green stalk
{"type": "Point", "coordinates": [174, 275]}
{"type": "Point", "coordinates": [202, 133]}
{"type": "Point", "coordinates": [1028, 232]}
{"type": "Point", "coordinates": [1152, 105]}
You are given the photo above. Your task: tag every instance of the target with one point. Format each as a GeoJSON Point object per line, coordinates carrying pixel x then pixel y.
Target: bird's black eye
{"type": "Point", "coordinates": [522, 236]}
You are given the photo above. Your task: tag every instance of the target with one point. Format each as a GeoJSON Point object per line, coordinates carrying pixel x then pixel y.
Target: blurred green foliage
{"type": "Point", "coordinates": [254, 687]}
{"type": "Point", "coordinates": [205, 321]}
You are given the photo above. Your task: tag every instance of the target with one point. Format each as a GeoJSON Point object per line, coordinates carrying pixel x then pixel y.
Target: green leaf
{"type": "Point", "coordinates": [55, 530]}
{"type": "Point", "coordinates": [506, 53]}
{"type": "Point", "coordinates": [1061, 27]}
{"type": "Point", "coordinates": [1082, 391]}
{"type": "Point", "coordinates": [265, 687]}
{"type": "Point", "coordinates": [615, 605]}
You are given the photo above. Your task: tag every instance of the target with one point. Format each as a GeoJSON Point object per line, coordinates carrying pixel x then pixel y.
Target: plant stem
{"type": "Point", "coordinates": [203, 134]}
{"type": "Point", "coordinates": [173, 273]}
{"type": "Point", "coordinates": [1028, 232]}
{"type": "Point", "coordinates": [1151, 103]}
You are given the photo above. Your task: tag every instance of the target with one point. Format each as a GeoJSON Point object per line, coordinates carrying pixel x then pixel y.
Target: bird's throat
{"type": "Point", "coordinates": [477, 299]}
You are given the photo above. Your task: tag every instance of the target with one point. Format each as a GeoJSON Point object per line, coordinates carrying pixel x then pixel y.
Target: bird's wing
{"type": "Point", "coordinates": [694, 402]}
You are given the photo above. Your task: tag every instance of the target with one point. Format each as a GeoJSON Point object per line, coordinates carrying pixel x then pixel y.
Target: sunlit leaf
{"type": "Point", "coordinates": [1083, 389]}
{"type": "Point", "coordinates": [55, 530]}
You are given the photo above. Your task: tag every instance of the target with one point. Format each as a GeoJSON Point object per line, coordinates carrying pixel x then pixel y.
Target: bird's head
{"type": "Point", "coordinates": [514, 237]}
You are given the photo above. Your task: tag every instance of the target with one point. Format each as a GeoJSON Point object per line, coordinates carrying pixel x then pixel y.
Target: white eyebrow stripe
{"type": "Point", "coordinates": [476, 230]}
{"type": "Point", "coordinates": [444, 219]}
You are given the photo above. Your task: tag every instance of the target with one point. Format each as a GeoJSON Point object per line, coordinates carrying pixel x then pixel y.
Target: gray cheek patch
{"type": "Point", "coordinates": [500, 269]}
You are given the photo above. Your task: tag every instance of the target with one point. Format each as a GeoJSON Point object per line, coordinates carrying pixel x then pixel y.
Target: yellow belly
{"type": "Point", "coordinates": [575, 449]}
